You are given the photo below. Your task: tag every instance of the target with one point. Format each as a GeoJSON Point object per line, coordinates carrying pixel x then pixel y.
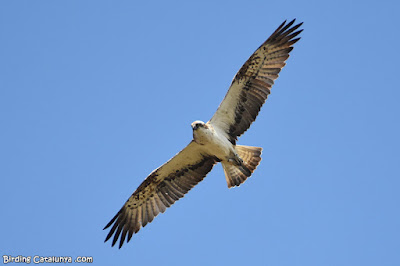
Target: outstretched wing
{"type": "Point", "coordinates": [160, 190]}
{"type": "Point", "coordinates": [251, 85]}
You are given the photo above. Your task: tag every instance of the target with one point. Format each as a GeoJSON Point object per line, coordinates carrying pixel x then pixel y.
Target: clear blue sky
{"type": "Point", "coordinates": [96, 94]}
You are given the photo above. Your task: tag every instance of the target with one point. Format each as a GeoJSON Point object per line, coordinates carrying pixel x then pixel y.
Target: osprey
{"type": "Point", "coordinates": [213, 142]}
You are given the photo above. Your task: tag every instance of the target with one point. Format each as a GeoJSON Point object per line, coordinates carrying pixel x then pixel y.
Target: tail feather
{"type": "Point", "coordinates": [235, 175]}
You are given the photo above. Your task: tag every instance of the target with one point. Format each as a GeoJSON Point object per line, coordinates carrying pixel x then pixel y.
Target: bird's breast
{"type": "Point", "coordinates": [213, 143]}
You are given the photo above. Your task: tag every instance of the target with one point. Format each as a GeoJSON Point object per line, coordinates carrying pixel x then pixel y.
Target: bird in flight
{"type": "Point", "coordinates": [213, 142]}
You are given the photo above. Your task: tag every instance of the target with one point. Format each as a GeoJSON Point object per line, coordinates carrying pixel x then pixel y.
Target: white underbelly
{"type": "Point", "coordinates": [219, 146]}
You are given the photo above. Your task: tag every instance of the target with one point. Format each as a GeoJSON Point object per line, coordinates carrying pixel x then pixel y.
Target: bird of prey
{"type": "Point", "coordinates": [213, 142]}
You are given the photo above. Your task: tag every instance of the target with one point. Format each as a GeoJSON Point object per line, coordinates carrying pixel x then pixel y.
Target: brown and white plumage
{"type": "Point", "coordinates": [252, 84]}
{"type": "Point", "coordinates": [160, 190]}
{"type": "Point", "coordinates": [214, 141]}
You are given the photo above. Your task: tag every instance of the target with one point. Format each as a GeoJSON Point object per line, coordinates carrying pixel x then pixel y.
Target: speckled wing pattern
{"type": "Point", "coordinates": [160, 190]}
{"type": "Point", "coordinates": [252, 84]}
{"type": "Point", "coordinates": [170, 182]}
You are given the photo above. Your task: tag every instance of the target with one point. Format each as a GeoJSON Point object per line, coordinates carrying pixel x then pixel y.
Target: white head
{"type": "Point", "coordinates": [200, 132]}
{"type": "Point", "coordinates": [198, 124]}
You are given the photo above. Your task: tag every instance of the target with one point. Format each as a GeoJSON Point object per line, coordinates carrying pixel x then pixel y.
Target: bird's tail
{"type": "Point", "coordinates": [237, 174]}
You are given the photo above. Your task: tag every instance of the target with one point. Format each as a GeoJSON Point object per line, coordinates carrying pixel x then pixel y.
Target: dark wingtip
{"type": "Point", "coordinates": [107, 237]}
{"type": "Point", "coordinates": [112, 220]}
{"type": "Point", "coordinates": [285, 29]}
{"type": "Point", "coordinates": [283, 23]}
{"type": "Point", "coordinates": [291, 23]}
{"type": "Point", "coordinates": [108, 225]}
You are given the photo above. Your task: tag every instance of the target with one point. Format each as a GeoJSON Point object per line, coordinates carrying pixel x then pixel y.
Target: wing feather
{"type": "Point", "coordinates": [160, 205]}
{"type": "Point", "coordinates": [132, 223]}
{"type": "Point", "coordinates": [154, 206]}
{"type": "Point", "coordinates": [165, 199]}
{"type": "Point", "coordinates": [160, 190]}
{"type": "Point", "coordinates": [125, 230]}
{"type": "Point", "coordinates": [252, 84]}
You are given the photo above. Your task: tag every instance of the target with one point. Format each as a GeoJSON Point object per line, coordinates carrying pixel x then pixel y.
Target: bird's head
{"type": "Point", "coordinates": [198, 124]}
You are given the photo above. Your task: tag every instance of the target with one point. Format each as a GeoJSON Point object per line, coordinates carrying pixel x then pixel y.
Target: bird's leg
{"type": "Point", "coordinates": [235, 159]}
